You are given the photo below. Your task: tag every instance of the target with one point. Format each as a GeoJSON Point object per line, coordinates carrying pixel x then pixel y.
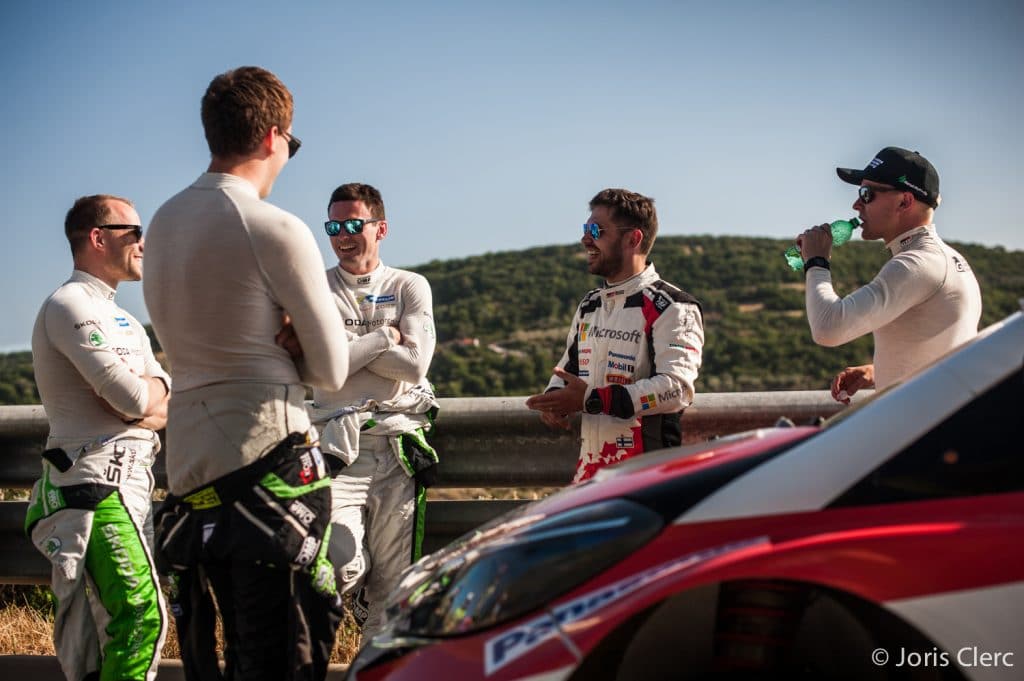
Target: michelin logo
{"type": "Point", "coordinates": [384, 298]}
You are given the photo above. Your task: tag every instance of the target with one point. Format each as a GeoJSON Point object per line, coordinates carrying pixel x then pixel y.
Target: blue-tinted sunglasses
{"type": "Point", "coordinates": [595, 230]}
{"type": "Point", "coordinates": [353, 226]}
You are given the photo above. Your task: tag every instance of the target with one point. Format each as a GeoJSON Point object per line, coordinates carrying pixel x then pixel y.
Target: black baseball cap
{"type": "Point", "coordinates": [899, 168]}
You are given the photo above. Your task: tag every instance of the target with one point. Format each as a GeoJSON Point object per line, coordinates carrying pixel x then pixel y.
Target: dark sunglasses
{"type": "Point", "coordinates": [867, 194]}
{"type": "Point", "coordinates": [293, 143]}
{"type": "Point", "coordinates": [136, 229]}
{"type": "Point", "coordinates": [595, 230]}
{"type": "Point", "coordinates": [353, 226]}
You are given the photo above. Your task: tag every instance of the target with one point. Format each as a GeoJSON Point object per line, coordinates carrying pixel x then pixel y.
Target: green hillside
{"type": "Point", "coordinates": [502, 317]}
{"type": "Point", "coordinates": [518, 306]}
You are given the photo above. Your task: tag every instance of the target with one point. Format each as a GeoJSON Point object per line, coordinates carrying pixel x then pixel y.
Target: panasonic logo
{"type": "Point", "coordinates": [514, 643]}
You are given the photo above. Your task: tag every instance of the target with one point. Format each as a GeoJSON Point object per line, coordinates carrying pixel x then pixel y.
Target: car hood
{"type": "Point", "coordinates": [672, 480]}
{"type": "Point", "coordinates": [668, 481]}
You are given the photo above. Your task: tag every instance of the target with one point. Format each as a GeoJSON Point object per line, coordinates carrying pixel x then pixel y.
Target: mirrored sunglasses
{"type": "Point", "coordinates": [594, 230]}
{"type": "Point", "coordinates": [352, 226]}
{"type": "Point", "coordinates": [867, 194]}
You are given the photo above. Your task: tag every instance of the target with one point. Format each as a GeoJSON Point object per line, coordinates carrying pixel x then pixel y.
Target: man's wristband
{"type": "Point", "coordinates": [816, 261]}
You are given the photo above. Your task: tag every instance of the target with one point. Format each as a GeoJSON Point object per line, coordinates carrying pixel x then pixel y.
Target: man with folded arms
{"type": "Point", "coordinates": [234, 282]}
{"type": "Point", "coordinates": [105, 396]}
{"type": "Point", "coordinates": [379, 494]}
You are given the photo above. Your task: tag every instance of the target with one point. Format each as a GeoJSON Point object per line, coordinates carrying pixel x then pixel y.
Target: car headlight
{"type": "Point", "coordinates": [483, 583]}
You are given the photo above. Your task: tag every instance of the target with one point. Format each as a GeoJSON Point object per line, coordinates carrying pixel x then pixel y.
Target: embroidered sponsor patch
{"type": "Point", "coordinates": [621, 366]}
{"type": "Point", "coordinates": [307, 553]}
{"type": "Point", "coordinates": [307, 474]}
{"type": "Point", "coordinates": [383, 298]}
{"type": "Point", "coordinates": [97, 340]}
{"type": "Point", "coordinates": [52, 546]}
{"type": "Point", "coordinates": [204, 498]}
{"type": "Point", "coordinates": [669, 395]}
{"type": "Point", "coordinates": [619, 380]}
{"type": "Point", "coordinates": [590, 331]}
{"type": "Point", "coordinates": [122, 321]}
{"type": "Point", "coordinates": [302, 512]}
{"type": "Point", "coordinates": [318, 459]}
{"type": "Point", "coordinates": [648, 401]}
{"type": "Point", "coordinates": [627, 358]}
{"type": "Point", "coordinates": [372, 323]}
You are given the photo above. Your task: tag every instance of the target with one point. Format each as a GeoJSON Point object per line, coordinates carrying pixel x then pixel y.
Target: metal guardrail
{"type": "Point", "coordinates": [483, 442]}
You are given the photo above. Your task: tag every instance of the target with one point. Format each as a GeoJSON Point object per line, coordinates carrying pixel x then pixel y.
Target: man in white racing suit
{"type": "Point", "coordinates": [376, 424]}
{"type": "Point", "coordinates": [105, 396]}
{"type": "Point", "coordinates": [234, 286]}
{"type": "Point", "coordinates": [924, 302]}
{"type": "Point", "coordinates": [634, 346]}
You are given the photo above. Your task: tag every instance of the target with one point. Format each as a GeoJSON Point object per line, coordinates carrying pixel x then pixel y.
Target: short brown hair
{"type": "Point", "coordinates": [88, 212]}
{"type": "Point", "coordinates": [355, 191]}
{"type": "Point", "coordinates": [630, 209]}
{"type": "Point", "coordinates": [240, 106]}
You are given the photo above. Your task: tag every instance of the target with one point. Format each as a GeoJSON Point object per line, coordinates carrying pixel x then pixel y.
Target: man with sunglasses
{"type": "Point", "coordinates": [924, 302]}
{"type": "Point", "coordinates": [105, 397]}
{"type": "Point", "coordinates": [376, 424]}
{"type": "Point", "coordinates": [229, 276]}
{"type": "Point", "coordinates": [634, 346]}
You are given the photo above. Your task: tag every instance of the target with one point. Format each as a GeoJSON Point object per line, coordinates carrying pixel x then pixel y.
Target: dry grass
{"type": "Point", "coordinates": [24, 630]}
{"type": "Point", "coordinates": [27, 629]}
{"type": "Point", "coordinates": [476, 493]}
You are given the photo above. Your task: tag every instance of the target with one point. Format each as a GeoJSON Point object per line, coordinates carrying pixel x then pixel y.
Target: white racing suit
{"type": "Point", "coordinates": [639, 344]}
{"type": "Point", "coordinates": [91, 513]}
{"type": "Point", "coordinates": [380, 500]}
{"type": "Point", "coordinates": [375, 426]}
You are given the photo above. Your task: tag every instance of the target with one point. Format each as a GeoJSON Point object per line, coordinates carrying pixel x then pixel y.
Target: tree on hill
{"type": "Point", "coordinates": [756, 331]}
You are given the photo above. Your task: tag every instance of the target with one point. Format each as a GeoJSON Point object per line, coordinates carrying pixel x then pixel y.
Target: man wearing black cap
{"type": "Point", "coordinates": [924, 301]}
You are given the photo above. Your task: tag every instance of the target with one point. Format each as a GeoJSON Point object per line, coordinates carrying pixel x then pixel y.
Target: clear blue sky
{"type": "Point", "coordinates": [489, 126]}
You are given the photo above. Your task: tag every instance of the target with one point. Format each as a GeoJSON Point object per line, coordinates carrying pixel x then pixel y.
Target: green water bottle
{"type": "Point", "coordinates": [842, 230]}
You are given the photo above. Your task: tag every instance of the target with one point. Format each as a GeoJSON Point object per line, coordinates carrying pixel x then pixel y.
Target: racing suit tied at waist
{"type": "Point", "coordinates": [275, 511]}
{"type": "Point", "coordinates": [405, 421]}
